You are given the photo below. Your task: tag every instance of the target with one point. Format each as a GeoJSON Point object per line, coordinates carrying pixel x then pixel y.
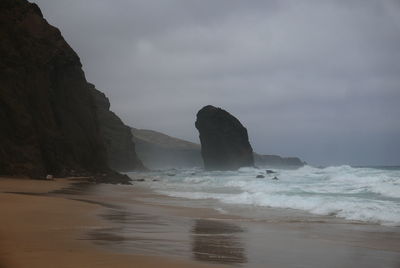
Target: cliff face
{"type": "Point", "coordinates": [48, 121]}
{"type": "Point", "coordinates": [158, 150]}
{"type": "Point", "coordinates": [224, 141]}
{"type": "Point", "coordinates": [117, 136]}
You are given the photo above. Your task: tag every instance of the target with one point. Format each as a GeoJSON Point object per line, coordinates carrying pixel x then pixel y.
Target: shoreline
{"type": "Point", "coordinates": [114, 225]}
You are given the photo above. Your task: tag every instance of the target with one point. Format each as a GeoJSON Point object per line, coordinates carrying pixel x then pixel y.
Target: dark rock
{"type": "Point", "coordinates": [48, 117]}
{"type": "Point", "coordinates": [224, 141]}
{"type": "Point", "coordinates": [260, 176]}
{"type": "Point", "coordinates": [111, 177]}
{"type": "Point", "coordinates": [275, 178]}
{"type": "Point", "coordinates": [120, 148]}
{"type": "Point", "coordinates": [270, 171]}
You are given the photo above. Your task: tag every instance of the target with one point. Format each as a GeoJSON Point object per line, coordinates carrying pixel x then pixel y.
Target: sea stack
{"type": "Point", "coordinates": [224, 141]}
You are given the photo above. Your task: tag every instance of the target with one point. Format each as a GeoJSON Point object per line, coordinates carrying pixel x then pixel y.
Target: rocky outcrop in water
{"type": "Point", "coordinates": [277, 161]}
{"type": "Point", "coordinates": [224, 141]}
{"type": "Point", "coordinates": [48, 119]}
{"type": "Point", "coordinates": [120, 148]}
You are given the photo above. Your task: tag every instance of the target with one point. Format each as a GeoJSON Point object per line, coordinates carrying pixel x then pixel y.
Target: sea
{"type": "Point", "coordinates": [358, 194]}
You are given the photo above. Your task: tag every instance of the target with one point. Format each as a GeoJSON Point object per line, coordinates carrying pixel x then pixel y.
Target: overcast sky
{"type": "Point", "coordinates": [314, 79]}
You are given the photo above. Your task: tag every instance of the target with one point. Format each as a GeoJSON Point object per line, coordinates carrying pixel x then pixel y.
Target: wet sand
{"type": "Point", "coordinates": [152, 224]}
{"type": "Point", "coordinates": [86, 225]}
{"type": "Point", "coordinates": [44, 229]}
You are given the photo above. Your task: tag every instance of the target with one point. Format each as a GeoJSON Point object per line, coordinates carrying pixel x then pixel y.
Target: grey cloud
{"type": "Point", "coordinates": [317, 79]}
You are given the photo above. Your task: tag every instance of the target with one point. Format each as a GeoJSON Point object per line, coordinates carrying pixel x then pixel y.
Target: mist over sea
{"type": "Point", "coordinates": [364, 194]}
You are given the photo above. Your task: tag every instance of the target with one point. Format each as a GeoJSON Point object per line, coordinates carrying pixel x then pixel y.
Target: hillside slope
{"type": "Point", "coordinates": [158, 150]}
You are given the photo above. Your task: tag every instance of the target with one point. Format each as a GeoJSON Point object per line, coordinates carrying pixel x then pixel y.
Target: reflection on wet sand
{"type": "Point", "coordinates": [143, 233]}
{"type": "Point", "coordinates": [106, 236]}
{"type": "Point", "coordinates": [217, 241]}
{"type": "Point", "coordinates": [76, 188]}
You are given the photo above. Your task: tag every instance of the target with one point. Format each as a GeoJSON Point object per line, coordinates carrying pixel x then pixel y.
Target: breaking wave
{"type": "Point", "coordinates": [362, 194]}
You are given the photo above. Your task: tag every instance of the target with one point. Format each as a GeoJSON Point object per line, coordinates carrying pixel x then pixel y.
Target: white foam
{"type": "Point", "coordinates": [363, 194]}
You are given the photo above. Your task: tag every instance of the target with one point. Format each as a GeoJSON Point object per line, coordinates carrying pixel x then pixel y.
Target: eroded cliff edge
{"type": "Point", "coordinates": [48, 116]}
{"type": "Point", "coordinates": [117, 137]}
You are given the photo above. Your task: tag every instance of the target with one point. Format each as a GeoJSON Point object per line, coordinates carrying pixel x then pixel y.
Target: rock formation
{"type": "Point", "coordinates": [159, 151]}
{"type": "Point", "coordinates": [120, 148]}
{"type": "Point", "coordinates": [224, 141]}
{"type": "Point", "coordinates": [48, 120]}
{"type": "Point", "coordinates": [277, 161]}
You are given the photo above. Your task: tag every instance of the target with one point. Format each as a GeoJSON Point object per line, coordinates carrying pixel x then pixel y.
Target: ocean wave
{"type": "Point", "coordinates": [363, 194]}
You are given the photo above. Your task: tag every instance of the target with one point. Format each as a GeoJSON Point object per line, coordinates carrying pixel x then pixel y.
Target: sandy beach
{"type": "Point", "coordinates": [46, 231]}
{"type": "Point", "coordinates": [73, 223]}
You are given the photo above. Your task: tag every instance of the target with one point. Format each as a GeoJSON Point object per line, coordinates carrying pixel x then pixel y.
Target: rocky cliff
{"type": "Point", "coordinates": [224, 141]}
{"type": "Point", "coordinates": [159, 151]}
{"type": "Point", "coordinates": [48, 119]}
{"type": "Point", "coordinates": [120, 148]}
